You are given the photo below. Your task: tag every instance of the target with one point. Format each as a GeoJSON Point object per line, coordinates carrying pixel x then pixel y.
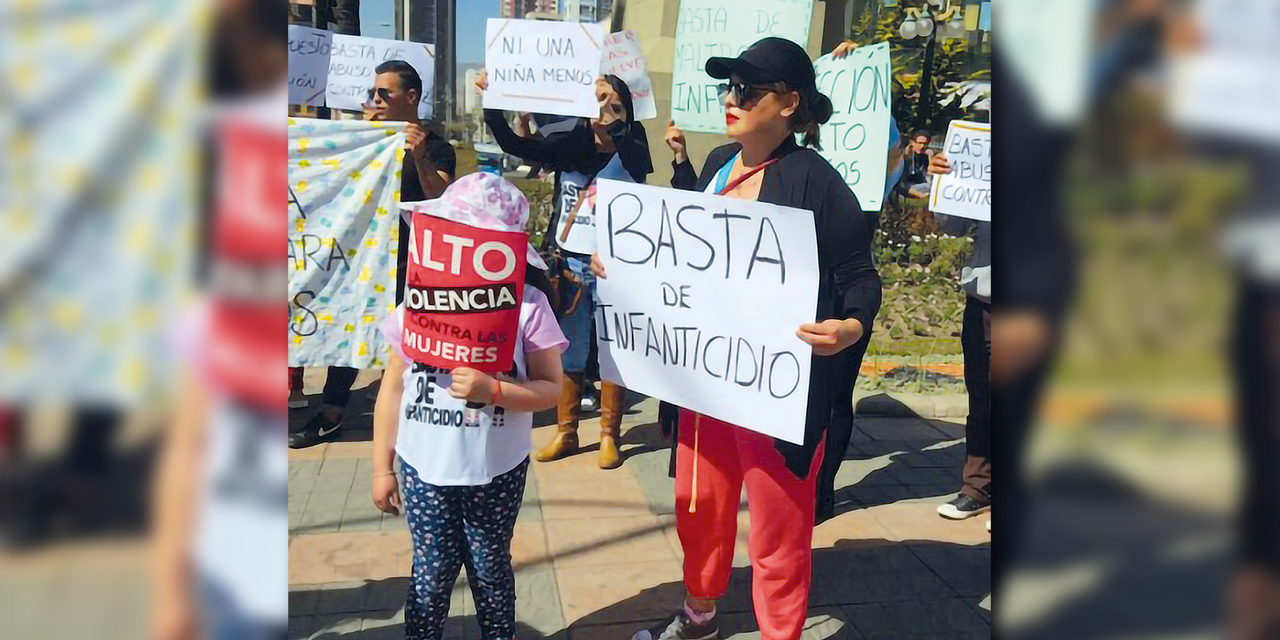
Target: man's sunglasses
{"type": "Point", "coordinates": [744, 95]}
{"type": "Point", "coordinates": [381, 92]}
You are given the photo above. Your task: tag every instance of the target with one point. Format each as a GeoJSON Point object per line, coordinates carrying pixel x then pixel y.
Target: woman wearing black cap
{"type": "Point", "coordinates": [770, 97]}
{"type": "Point", "coordinates": [611, 146]}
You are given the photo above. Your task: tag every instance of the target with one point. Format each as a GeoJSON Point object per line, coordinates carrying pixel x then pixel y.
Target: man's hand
{"type": "Point", "coordinates": [1018, 340]}
{"type": "Point", "coordinates": [830, 337]}
{"type": "Point", "coordinates": [386, 493]}
{"type": "Point", "coordinates": [597, 267]}
{"type": "Point", "coordinates": [415, 140]}
{"type": "Point", "coordinates": [482, 80]}
{"type": "Point", "coordinates": [939, 165]}
{"type": "Point", "coordinates": [843, 50]}
{"type": "Point", "coordinates": [472, 386]}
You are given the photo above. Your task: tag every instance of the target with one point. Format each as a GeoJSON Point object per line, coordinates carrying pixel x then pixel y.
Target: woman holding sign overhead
{"type": "Point", "coordinates": [769, 98]}
{"type": "Point", "coordinates": [612, 146]}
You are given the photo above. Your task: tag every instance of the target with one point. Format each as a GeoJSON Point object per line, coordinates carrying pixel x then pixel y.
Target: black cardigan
{"type": "Point", "coordinates": [849, 285]}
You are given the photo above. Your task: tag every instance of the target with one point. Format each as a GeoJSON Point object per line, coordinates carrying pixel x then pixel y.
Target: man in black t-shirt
{"type": "Point", "coordinates": [428, 169]}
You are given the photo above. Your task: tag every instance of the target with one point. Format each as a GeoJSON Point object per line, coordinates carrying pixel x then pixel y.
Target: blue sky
{"type": "Point", "coordinates": [377, 16]}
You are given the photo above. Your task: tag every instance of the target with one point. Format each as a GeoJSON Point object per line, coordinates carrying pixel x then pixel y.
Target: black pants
{"type": "Point", "coordinates": [1256, 363]}
{"type": "Point", "coordinates": [975, 340]}
{"type": "Point", "coordinates": [337, 384]}
{"type": "Point", "coordinates": [840, 431]}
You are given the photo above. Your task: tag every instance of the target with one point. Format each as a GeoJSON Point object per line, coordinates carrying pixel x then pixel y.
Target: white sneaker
{"type": "Point", "coordinates": [961, 507]}
{"type": "Point", "coordinates": [988, 526]}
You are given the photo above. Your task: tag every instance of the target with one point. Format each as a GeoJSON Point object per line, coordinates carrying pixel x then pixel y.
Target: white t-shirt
{"type": "Point", "coordinates": [244, 506]}
{"type": "Point", "coordinates": [451, 445]}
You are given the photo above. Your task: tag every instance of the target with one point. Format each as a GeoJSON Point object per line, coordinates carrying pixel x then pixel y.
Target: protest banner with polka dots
{"type": "Point", "coordinates": [344, 180]}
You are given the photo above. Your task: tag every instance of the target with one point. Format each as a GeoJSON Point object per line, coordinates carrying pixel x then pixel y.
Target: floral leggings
{"type": "Point", "coordinates": [461, 526]}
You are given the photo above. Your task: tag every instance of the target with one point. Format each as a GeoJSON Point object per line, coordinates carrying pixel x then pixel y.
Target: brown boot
{"type": "Point", "coordinates": [612, 399]}
{"type": "Point", "coordinates": [566, 440]}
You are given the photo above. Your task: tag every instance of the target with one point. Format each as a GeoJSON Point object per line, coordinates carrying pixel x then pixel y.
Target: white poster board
{"type": "Point", "coordinates": [309, 51]}
{"type": "Point", "coordinates": [856, 138]}
{"type": "Point", "coordinates": [623, 58]}
{"type": "Point", "coordinates": [702, 301]}
{"type": "Point", "coordinates": [543, 67]}
{"type": "Point", "coordinates": [354, 59]}
{"type": "Point", "coordinates": [724, 28]}
{"type": "Point", "coordinates": [966, 191]}
{"type": "Point", "coordinates": [1047, 44]}
{"type": "Point", "coordinates": [1231, 84]}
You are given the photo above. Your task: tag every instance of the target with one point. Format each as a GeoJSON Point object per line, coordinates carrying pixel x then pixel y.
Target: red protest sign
{"type": "Point", "coordinates": [462, 300]}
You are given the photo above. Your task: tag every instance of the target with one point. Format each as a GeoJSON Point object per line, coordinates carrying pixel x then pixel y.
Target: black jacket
{"type": "Point", "coordinates": [849, 285]}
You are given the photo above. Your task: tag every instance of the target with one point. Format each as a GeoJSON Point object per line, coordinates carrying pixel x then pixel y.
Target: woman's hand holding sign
{"type": "Point", "coordinates": [830, 337]}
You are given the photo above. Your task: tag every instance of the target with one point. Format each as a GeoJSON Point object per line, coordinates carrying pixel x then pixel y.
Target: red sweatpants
{"type": "Point", "coordinates": [781, 507]}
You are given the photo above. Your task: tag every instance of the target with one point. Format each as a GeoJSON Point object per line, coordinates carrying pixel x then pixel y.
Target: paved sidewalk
{"type": "Point", "coordinates": [597, 556]}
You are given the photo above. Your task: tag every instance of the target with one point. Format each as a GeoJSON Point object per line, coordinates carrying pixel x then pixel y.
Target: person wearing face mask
{"type": "Point", "coordinates": [771, 97]}
{"type": "Point", "coordinates": [611, 146]}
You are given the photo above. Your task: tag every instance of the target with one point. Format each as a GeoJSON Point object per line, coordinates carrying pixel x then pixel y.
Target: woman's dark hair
{"type": "Point", "coordinates": [633, 143]}
{"type": "Point", "coordinates": [537, 278]}
{"type": "Point", "coordinates": [409, 78]}
{"type": "Point", "coordinates": [814, 111]}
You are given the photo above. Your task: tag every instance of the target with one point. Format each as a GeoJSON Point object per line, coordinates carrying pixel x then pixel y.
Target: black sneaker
{"type": "Point", "coordinates": [318, 429]}
{"type": "Point", "coordinates": [681, 628]}
{"type": "Point", "coordinates": [962, 507]}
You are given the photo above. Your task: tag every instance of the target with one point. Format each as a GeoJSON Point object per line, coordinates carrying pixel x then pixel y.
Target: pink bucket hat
{"type": "Point", "coordinates": [484, 201]}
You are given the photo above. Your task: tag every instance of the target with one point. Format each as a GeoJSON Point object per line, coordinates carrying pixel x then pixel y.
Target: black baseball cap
{"type": "Point", "coordinates": [776, 60]}
{"type": "Point", "coordinates": [768, 60]}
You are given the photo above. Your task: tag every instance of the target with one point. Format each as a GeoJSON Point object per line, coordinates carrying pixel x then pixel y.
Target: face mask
{"type": "Point", "coordinates": [618, 128]}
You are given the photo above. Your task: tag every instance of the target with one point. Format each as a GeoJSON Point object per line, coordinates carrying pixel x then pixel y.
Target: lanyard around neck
{"type": "Point", "coordinates": [723, 176]}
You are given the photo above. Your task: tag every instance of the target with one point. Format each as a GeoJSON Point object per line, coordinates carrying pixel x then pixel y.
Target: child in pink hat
{"type": "Point", "coordinates": [462, 471]}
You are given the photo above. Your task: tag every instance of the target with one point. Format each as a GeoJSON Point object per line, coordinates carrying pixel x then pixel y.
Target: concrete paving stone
{"type": "Point", "coordinates": [913, 431]}
{"type": "Point", "coordinates": [854, 525]}
{"type": "Point", "coordinates": [341, 597]}
{"type": "Point", "coordinates": [349, 450]}
{"type": "Point", "coordinates": [319, 522]}
{"type": "Point", "coordinates": [335, 625]}
{"type": "Point", "coordinates": [310, 453]}
{"type": "Point", "coordinates": [349, 556]}
{"type": "Point", "coordinates": [605, 498]}
{"type": "Point", "coordinates": [967, 570]}
{"type": "Point", "coordinates": [386, 595]}
{"type": "Point", "coordinates": [853, 574]}
{"type": "Point", "coordinates": [605, 541]}
{"type": "Point", "coordinates": [946, 619]}
{"type": "Point", "coordinates": [301, 627]}
{"type": "Point", "coordinates": [932, 476]}
{"type": "Point", "coordinates": [393, 523]}
{"type": "Point", "coordinates": [529, 547]}
{"type": "Point", "coordinates": [627, 592]}
{"type": "Point", "coordinates": [907, 521]}
{"type": "Point", "coordinates": [303, 602]}
{"type": "Point", "coordinates": [383, 633]}
{"type": "Point", "coordinates": [359, 521]}
{"type": "Point", "coordinates": [338, 466]}
{"type": "Point", "coordinates": [327, 500]}
{"type": "Point", "coordinates": [620, 631]}
{"type": "Point", "coordinates": [538, 600]}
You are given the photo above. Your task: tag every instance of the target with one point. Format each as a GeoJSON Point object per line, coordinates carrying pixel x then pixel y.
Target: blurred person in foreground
{"type": "Point", "coordinates": [428, 169]}
{"type": "Point", "coordinates": [221, 494]}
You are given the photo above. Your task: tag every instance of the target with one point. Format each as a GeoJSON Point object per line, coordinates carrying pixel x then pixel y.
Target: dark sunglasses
{"type": "Point", "coordinates": [382, 92]}
{"type": "Point", "coordinates": [744, 95]}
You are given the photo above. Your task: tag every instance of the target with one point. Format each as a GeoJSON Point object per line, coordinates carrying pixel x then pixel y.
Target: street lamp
{"type": "Point", "coordinates": [921, 23]}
